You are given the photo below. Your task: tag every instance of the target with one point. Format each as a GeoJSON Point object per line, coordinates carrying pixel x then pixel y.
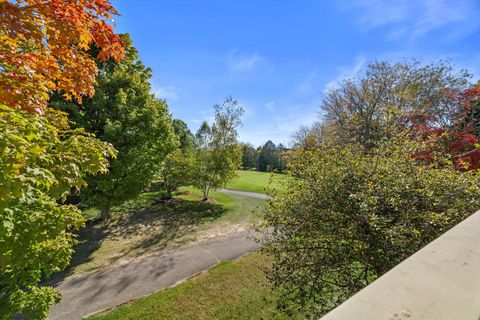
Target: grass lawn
{"type": "Point", "coordinates": [231, 290]}
{"type": "Point", "coordinates": [255, 181]}
{"type": "Point", "coordinates": [147, 224]}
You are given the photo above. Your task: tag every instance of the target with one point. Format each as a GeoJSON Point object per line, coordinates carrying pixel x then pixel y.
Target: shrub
{"type": "Point", "coordinates": [348, 217]}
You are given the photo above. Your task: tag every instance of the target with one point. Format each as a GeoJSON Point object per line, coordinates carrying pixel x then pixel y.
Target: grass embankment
{"type": "Point", "coordinates": [147, 224]}
{"type": "Point", "coordinates": [230, 290]}
{"type": "Point", "coordinates": [255, 181]}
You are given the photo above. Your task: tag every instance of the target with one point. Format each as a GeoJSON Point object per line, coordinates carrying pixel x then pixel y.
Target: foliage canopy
{"type": "Point", "coordinates": [124, 113]}
{"type": "Point", "coordinates": [43, 47]}
{"type": "Point", "coordinates": [42, 159]}
{"type": "Point", "coordinates": [218, 154]}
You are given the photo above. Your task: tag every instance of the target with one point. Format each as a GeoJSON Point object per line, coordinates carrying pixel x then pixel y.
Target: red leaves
{"type": "Point", "coordinates": [461, 140]}
{"type": "Point", "coordinates": [469, 97]}
{"type": "Point", "coordinates": [43, 47]}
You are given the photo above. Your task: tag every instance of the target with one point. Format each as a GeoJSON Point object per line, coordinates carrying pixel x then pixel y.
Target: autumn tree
{"type": "Point", "coordinates": [43, 47]}
{"type": "Point", "coordinates": [217, 154]}
{"type": "Point", "coordinates": [467, 113]}
{"type": "Point", "coordinates": [375, 105]}
{"type": "Point", "coordinates": [460, 138]}
{"type": "Point", "coordinates": [126, 114]}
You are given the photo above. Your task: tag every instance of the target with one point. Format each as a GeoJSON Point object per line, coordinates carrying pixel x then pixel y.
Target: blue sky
{"type": "Point", "coordinates": [278, 57]}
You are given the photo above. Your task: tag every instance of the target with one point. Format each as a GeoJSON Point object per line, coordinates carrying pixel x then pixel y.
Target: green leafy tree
{"type": "Point", "coordinates": [249, 156]}
{"type": "Point", "coordinates": [124, 113]}
{"type": "Point", "coordinates": [281, 162]}
{"type": "Point", "coordinates": [178, 167]}
{"type": "Point", "coordinates": [348, 217]}
{"type": "Point", "coordinates": [41, 161]}
{"type": "Point", "coordinates": [269, 158]}
{"type": "Point", "coordinates": [177, 171]}
{"type": "Point", "coordinates": [186, 139]}
{"type": "Point", "coordinates": [217, 154]}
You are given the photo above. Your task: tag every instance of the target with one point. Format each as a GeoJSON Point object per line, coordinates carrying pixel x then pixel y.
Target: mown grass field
{"type": "Point", "coordinates": [148, 224]}
{"type": "Point", "coordinates": [231, 290]}
{"type": "Point", "coordinates": [260, 182]}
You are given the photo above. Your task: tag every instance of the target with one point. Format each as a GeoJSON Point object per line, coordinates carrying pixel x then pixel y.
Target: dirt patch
{"type": "Point", "coordinates": [183, 193]}
{"type": "Point", "coordinates": [170, 201]}
{"type": "Point", "coordinates": [221, 231]}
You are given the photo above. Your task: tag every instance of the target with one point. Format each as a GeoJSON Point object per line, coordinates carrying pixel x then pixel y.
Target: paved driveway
{"type": "Point", "coordinates": [110, 287]}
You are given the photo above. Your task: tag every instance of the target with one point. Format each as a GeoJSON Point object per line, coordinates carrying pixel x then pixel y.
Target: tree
{"type": "Point", "coordinates": [41, 161]}
{"type": "Point", "coordinates": [459, 138]}
{"type": "Point", "coordinates": [281, 162]}
{"type": "Point", "coordinates": [184, 136]}
{"type": "Point", "coordinates": [311, 137]}
{"type": "Point", "coordinates": [217, 154]}
{"type": "Point", "coordinates": [177, 171]}
{"type": "Point", "coordinates": [373, 107]}
{"type": "Point", "coordinates": [124, 113]}
{"type": "Point", "coordinates": [178, 167]}
{"type": "Point", "coordinates": [43, 47]}
{"type": "Point", "coordinates": [349, 217]}
{"type": "Point", "coordinates": [268, 157]}
{"type": "Point", "coordinates": [249, 156]}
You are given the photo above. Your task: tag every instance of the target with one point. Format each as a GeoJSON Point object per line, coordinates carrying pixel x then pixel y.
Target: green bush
{"type": "Point", "coordinates": [350, 216]}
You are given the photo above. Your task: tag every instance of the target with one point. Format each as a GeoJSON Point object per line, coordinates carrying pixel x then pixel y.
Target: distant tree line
{"type": "Point", "coordinates": [267, 158]}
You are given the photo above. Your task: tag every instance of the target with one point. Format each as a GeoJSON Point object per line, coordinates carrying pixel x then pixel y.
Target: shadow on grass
{"type": "Point", "coordinates": [140, 226]}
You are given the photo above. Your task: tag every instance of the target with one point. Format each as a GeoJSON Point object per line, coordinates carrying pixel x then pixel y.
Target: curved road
{"type": "Point", "coordinates": [91, 293]}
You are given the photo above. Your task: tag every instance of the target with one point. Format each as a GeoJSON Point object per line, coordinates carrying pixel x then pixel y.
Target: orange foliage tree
{"type": "Point", "coordinates": [43, 47]}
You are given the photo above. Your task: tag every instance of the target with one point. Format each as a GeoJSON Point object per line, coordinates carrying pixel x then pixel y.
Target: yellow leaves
{"type": "Point", "coordinates": [85, 40]}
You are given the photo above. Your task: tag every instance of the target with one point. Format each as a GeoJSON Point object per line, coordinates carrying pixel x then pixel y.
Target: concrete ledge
{"type": "Point", "coordinates": [441, 281]}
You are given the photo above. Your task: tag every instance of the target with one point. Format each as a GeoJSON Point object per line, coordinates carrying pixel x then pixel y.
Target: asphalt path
{"type": "Point", "coordinates": [245, 193]}
{"type": "Point", "coordinates": [97, 291]}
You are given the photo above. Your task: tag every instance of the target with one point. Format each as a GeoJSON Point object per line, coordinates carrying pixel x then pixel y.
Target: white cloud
{"type": "Point", "coordinates": [346, 72]}
{"type": "Point", "coordinates": [270, 105]}
{"type": "Point", "coordinates": [307, 86]}
{"type": "Point", "coordinates": [244, 62]}
{"type": "Point", "coordinates": [169, 93]}
{"type": "Point", "coordinates": [415, 19]}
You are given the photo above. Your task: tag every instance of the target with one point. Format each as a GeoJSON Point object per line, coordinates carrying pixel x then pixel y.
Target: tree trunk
{"type": "Point", "coordinates": [105, 213]}
{"type": "Point", "coordinates": [168, 196]}
{"type": "Point", "coordinates": [205, 194]}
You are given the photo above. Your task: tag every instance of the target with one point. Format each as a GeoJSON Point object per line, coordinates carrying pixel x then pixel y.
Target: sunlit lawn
{"type": "Point", "coordinates": [255, 181]}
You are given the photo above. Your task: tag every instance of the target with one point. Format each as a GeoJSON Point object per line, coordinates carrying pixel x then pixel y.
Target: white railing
{"type": "Point", "coordinates": [439, 282]}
